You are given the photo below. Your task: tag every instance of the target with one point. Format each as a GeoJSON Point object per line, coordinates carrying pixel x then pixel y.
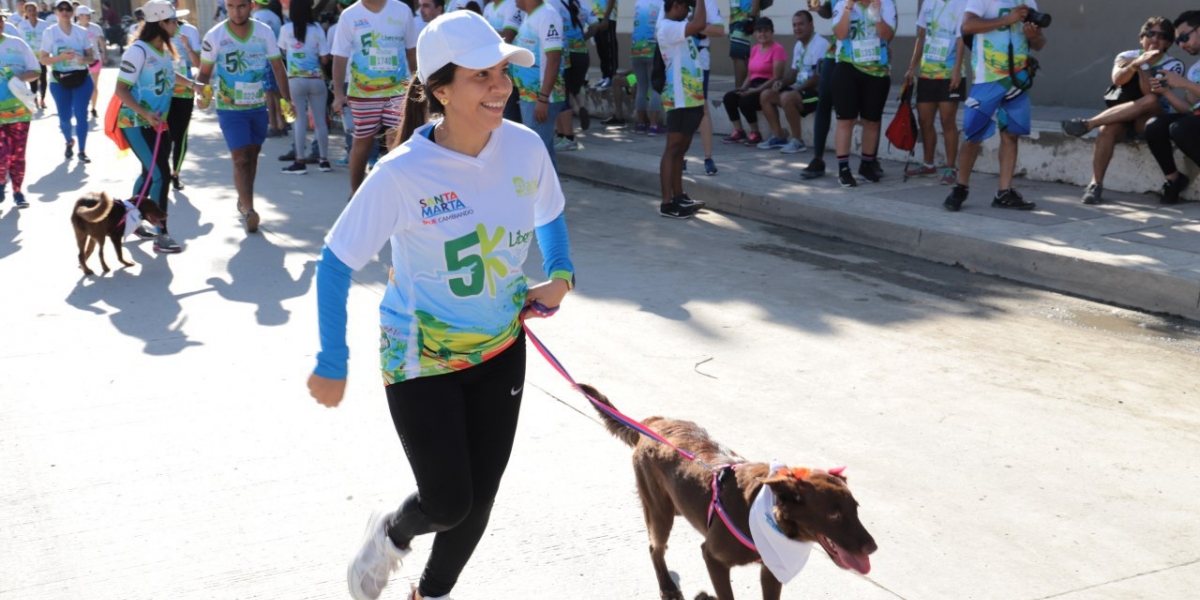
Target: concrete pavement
{"type": "Point", "coordinates": [1129, 251]}
{"type": "Point", "coordinates": [156, 440]}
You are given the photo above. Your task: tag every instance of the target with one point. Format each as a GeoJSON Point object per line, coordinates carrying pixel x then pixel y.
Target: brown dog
{"type": "Point", "coordinates": [810, 506]}
{"type": "Point", "coordinates": [96, 217]}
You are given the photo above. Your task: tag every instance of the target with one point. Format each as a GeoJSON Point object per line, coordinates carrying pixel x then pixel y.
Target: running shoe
{"type": "Point", "coordinates": [1011, 199]}
{"type": "Point", "coordinates": [165, 245]}
{"type": "Point", "coordinates": [1093, 194]}
{"type": "Point", "coordinates": [656, 130]}
{"type": "Point", "coordinates": [921, 171]}
{"type": "Point", "coordinates": [145, 233]}
{"type": "Point", "coordinates": [603, 84]}
{"type": "Point", "coordinates": [949, 176]}
{"type": "Point", "coordinates": [675, 210]}
{"type": "Point", "coordinates": [295, 169]}
{"type": "Point", "coordinates": [737, 137]}
{"type": "Point", "coordinates": [957, 196]}
{"type": "Point", "coordinates": [867, 170]}
{"type": "Point", "coordinates": [710, 167]}
{"type": "Point", "coordinates": [641, 128]}
{"type": "Point", "coordinates": [772, 143]}
{"type": "Point", "coordinates": [95, 115]}
{"type": "Point", "coordinates": [687, 202]}
{"type": "Point", "coordinates": [19, 200]}
{"type": "Point", "coordinates": [176, 183]}
{"type": "Point", "coordinates": [343, 161]}
{"type": "Point", "coordinates": [613, 121]}
{"type": "Point", "coordinates": [846, 178]}
{"type": "Point", "coordinates": [323, 166]}
{"type": "Point", "coordinates": [755, 138]}
{"type": "Point", "coordinates": [375, 562]}
{"type": "Point", "coordinates": [560, 143]}
{"type": "Point", "coordinates": [585, 119]}
{"type": "Point", "coordinates": [1171, 189]}
{"type": "Point", "coordinates": [570, 146]}
{"type": "Point", "coordinates": [83, 157]}
{"type": "Point", "coordinates": [70, 153]}
{"type": "Point", "coordinates": [815, 169]}
{"type": "Point", "coordinates": [1075, 127]}
{"type": "Point", "coordinates": [289, 157]}
{"type": "Point", "coordinates": [793, 146]}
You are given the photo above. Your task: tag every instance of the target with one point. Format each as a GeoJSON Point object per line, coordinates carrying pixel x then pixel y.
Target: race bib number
{"type": "Point", "coordinates": [247, 93]}
{"type": "Point", "coordinates": [937, 49]}
{"type": "Point", "coordinates": [865, 51]}
{"type": "Point", "coordinates": [384, 59]}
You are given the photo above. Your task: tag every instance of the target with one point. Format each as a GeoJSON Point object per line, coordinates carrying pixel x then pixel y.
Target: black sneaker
{"type": "Point", "coordinates": [613, 121]}
{"type": "Point", "coordinates": [1011, 199]}
{"type": "Point", "coordinates": [1172, 188]}
{"type": "Point", "coordinates": [686, 202]}
{"type": "Point", "coordinates": [83, 157]}
{"type": "Point", "coordinates": [585, 120]}
{"type": "Point", "coordinates": [324, 166]}
{"type": "Point", "coordinates": [674, 210]}
{"type": "Point", "coordinates": [868, 171]}
{"type": "Point", "coordinates": [957, 196]}
{"type": "Point", "coordinates": [19, 200]}
{"type": "Point", "coordinates": [295, 169]}
{"type": "Point", "coordinates": [1075, 127]}
{"type": "Point", "coordinates": [846, 178]}
{"type": "Point", "coordinates": [95, 115]}
{"type": "Point", "coordinates": [70, 153]}
{"type": "Point", "coordinates": [144, 233]}
{"type": "Point", "coordinates": [290, 156]}
{"type": "Point", "coordinates": [1093, 194]}
{"type": "Point", "coordinates": [815, 169]}
{"type": "Point", "coordinates": [176, 183]}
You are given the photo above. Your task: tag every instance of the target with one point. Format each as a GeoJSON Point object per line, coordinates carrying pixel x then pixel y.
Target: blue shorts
{"type": "Point", "coordinates": [988, 100]}
{"type": "Point", "coordinates": [243, 127]}
{"type": "Point", "coordinates": [269, 83]}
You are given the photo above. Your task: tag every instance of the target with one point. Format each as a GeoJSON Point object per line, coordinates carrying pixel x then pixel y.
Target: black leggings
{"type": "Point", "coordinates": [606, 49]}
{"type": "Point", "coordinates": [1182, 129]}
{"type": "Point", "coordinates": [39, 86]}
{"type": "Point", "coordinates": [178, 120]}
{"type": "Point", "coordinates": [748, 103]}
{"type": "Point", "coordinates": [457, 430]}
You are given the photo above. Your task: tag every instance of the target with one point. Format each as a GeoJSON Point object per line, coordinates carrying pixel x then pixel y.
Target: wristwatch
{"type": "Point", "coordinates": [566, 276]}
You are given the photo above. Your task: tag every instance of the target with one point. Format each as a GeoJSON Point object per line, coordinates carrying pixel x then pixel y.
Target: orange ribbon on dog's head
{"type": "Point", "coordinates": [794, 473]}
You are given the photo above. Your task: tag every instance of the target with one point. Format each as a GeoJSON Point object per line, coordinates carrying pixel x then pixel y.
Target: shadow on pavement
{"type": "Point", "coordinates": [257, 276]}
{"type": "Point", "coordinates": [10, 232]}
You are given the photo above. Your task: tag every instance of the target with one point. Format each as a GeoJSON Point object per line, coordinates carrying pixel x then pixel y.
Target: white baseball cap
{"type": "Point", "coordinates": [157, 10]}
{"type": "Point", "coordinates": [82, 10]}
{"type": "Point", "coordinates": [467, 40]}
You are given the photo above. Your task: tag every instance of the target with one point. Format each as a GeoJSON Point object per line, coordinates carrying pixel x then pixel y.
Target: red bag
{"type": "Point", "coordinates": [902, 131]}
{"type": "Point", "coordinates": [110, 124]}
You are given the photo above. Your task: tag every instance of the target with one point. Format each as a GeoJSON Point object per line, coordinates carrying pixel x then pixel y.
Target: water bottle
{"type": "Point", "coordinates": [873, 13]}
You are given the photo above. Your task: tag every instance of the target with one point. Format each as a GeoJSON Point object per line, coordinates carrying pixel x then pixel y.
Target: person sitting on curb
{"type": "Point", "coordinates": [1183, 126]}
{"type": "Point", "coordinates": [1131, 76]}
{"type": "Point", "coordinates": [797, 91]}
{"type": "Point", "coordinates": [767, 60]}
{"type": "Point", "coordinates": [937, 63]}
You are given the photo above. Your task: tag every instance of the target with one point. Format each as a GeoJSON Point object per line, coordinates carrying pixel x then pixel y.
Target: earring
{"type": "Point", "coordinates": [444, 101]}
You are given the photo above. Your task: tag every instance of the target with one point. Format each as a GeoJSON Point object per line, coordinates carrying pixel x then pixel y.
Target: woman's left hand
{"type": "Point", "coordinates": [549, 294]}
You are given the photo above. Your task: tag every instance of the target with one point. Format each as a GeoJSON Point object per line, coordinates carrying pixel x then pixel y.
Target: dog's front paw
{"type": "Point", "coordinates": [704, 596]}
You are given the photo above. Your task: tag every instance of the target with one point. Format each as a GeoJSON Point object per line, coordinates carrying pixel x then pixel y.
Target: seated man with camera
{"type": "Point", "coordinates": [1005, 31]}
{"type": "Point", "coordinates": [1129, 99]}
{"type": "Point", "coordinates": [1182, 126]}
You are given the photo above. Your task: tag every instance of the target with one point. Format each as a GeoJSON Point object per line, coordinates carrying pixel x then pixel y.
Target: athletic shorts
{"type": "Point", "coordinates": [939, 90]}
{"type": "Point", "coordinates": [739, 42]}
{"type": "Point", "coordinates": [243, 127]}
{"type": "Point", "coordinates": [856, 94]}
{"type": "Point", "coordinates": [576, 74]}
{"type": "Point", "coordinates": [269, 83]}
{"type": "Point", "coordinates": [808, 100]}
{"type": "Point", "coordinates": [684, 120]}
{"type": "Point", "coordinates": [95, 67]}
{"type": "Point", "coordinates": [995, 99]}
{"type": "Point", "coordinates": [372, 114]}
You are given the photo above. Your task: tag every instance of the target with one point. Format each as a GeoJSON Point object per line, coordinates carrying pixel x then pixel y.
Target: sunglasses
{"type": "Point", "coordinates": [1156, 35]}
{"type": "Point", "coordinates": [1183, 39]}
{"type": "Point", "coordinates": [65, 9]}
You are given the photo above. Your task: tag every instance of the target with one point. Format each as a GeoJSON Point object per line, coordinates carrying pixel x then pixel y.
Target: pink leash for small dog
{"type": "Point", "coordinates": [715, 506]}
{"type": "Point", "coordinates": [149, 172]}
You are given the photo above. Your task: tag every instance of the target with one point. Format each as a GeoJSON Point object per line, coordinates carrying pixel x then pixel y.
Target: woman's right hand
{"type": "Point", "coordinates": [328, 392]}
{"type": "Point", "coordinates": [152, 120]}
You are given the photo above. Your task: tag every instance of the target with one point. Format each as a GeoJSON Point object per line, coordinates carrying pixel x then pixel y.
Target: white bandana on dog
{"type": "Point", "coordinates": [783, 556]}
{"type": "Point", "coordinates": [133, 218]}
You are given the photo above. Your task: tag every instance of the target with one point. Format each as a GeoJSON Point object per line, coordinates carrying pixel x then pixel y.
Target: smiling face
{"type": "Point", "coordinates": [477, 97]}
{"type": "Point", "coordinates": [1155, 37]}
{"type": "Point", "coordinates": [764, 36]}
{"type": "Point", "coordinates": [802, 27]}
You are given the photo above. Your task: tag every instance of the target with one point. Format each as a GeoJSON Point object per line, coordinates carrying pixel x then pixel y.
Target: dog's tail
{"type": "Point", "coordinates": [618, 429]}
{"type": "Point", "coordinates": [93, 208]}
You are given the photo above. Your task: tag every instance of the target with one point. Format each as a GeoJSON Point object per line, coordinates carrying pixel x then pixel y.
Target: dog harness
{"type": "Point", "coordinates": [719, 471]}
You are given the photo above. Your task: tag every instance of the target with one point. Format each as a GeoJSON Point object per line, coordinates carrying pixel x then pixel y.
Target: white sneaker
{"type": "Point", "coordinates": [794, 146]}
{"type": "Point", "coordinates": [375, 561]}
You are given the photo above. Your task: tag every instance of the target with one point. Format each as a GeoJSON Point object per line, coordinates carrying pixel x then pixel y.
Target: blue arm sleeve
{"type": "Point", "coordinates": [556, 251]}
{"type": "Point", "coordinates": [333, 290]}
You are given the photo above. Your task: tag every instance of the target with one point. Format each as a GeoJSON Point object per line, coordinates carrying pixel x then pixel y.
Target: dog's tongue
{"type": "Point", "coordinates": [855, 562]}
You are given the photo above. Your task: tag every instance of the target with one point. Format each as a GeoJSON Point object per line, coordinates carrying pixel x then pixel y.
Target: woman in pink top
{"type": "Point", "coordinates": [767, 60]}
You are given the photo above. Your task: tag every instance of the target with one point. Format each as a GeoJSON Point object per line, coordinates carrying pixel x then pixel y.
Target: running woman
{"type": "Point", "coordinates": [67, 50]}
{"type": "Point", "coordinates": [187, 47]}
{"type": "Point", "coordinates": [376, 40]}
{"type": "Point", "coordinates": [240, 50]}
{"type": "Point", "coordinates": [83, 16]}
{"type": "Point", "coordinates": [144, 85]}
{"type": "Point", "coordinates": [306, 49]}
{"type": "Point", "coordinates": [459, 200]}
{"type": "Point", "coordinates": [16, 60]}
{"type": "Point", "coordinates": [32, 27]}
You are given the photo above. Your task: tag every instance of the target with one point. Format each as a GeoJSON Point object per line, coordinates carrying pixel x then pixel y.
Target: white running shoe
{"type": "Point", "coordinates": [375, 561]}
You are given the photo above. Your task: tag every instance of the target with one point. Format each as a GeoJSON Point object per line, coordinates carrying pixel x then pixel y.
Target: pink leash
{"type": "Point", "coordinates": [718, 470]}
{"type": "Point", "coordinates": [149, 172]}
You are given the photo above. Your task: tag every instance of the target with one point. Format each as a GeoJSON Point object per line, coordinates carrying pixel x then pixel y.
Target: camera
{"type": "Point", "coordinates": [1040, 19]}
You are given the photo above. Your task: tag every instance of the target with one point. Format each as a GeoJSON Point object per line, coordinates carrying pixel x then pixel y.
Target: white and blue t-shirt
{"type": "Point", "coordinates": [376, 46]}
{"type": "Point", "coordinates": [15, 59]}
{"type": "Point", "coordinates": [806, 58]}
{"type": "Point", "coordinates": [460, 230]}
{"type": "Point", "coordinates": [645, 18]}
{"type": "Point", "coordinates": [863, 47]}
{"type": "Point", "coordinates": [540, 32]}
{"type": "Point", "coordinates": [150, 75]}
{"type": "Point", "coordinates": [685, 79]}
{"type": "Point", "coordinates": [266, 15]}
{"type": "Point", "coordinates": [942, 22]}
{"type": "Point", "coordinates": [187, 34]}
{"type": "Point", "coordinates": [239, 64]}
{"type": "Point", "coordinates": [55, 41]}
{"type": "Point", "coordinates": [33, 33]}
{"type": "Point", "coordinates": [304, 58]}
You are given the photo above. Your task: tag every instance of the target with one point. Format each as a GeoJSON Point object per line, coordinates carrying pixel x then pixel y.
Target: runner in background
{"type": "Point", "coordinates": [83, 17]}
{"type": "Point", "coordinates": [32, 27]}
{"type": "Point", "coordinates": [187, 42]}
{"type": "Point", "coordinates": [16, 60]}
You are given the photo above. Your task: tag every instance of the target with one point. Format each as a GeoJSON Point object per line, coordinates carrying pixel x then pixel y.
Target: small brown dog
{"type": "Point", "coordinates": [96, 217]}
{"type": "Point", "coordinates": [810, 505]}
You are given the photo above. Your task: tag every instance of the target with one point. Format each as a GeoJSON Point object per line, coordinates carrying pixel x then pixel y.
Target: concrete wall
{"type": "Point", "coordinates": [1081, 43]}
